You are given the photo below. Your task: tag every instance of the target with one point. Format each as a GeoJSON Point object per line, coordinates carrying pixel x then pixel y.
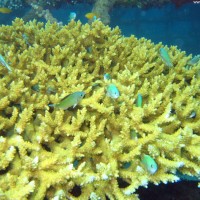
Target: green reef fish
{"type": "Point", "coordinates": [165, 57]}
{"type": "Point", "coordinates": [139, 101]}
{"type": "Point", "coordinates": [149, 163]}
{"type": "Point", "coordinates": [112, 91]}
{"type": "Point", "coordinates": [134, 135]}
{"type": "Point", "coordinates": [194, 60]}
{"type": "Point", "coordinates": [69, 101]}
{"type": "Point", "coordinates": [4, 63]}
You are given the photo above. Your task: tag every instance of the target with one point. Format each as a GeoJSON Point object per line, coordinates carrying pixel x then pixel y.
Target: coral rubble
{"type": "Point", "coordinates": [48, 152]}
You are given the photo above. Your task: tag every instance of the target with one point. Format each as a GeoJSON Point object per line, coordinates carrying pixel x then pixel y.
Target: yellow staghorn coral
{"type": "Point", "coordinates": [51, 153]}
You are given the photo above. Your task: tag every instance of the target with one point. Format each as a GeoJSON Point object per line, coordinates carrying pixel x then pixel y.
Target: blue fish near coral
{"type": "Point", "coordinates": [149, 163]}
{"type": "Point", "coordinates": [72, 16]}
{"type": "Point", "coordinates": [112, 91]}
{"type": "Point", "coordinates": [194, 60]}
{"type": "Point", "coordinates": [106, 76]}
{"type": "Point", "coordinates": [4, 63]}
{"type": "Point", "coordinates": [69, 101]}
{"type": "Point", "coordinates": [139, 101]}
{"type": "Point", "coordinates": [165, 57]}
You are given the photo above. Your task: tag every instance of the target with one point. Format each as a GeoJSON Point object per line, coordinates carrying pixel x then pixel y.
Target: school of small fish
{"type": "Point", "coordinates": [72, 16]}
{"type": "Point", "coordinates": [112, 91]}
{"type": "Point", "coordinates": [90, 16]}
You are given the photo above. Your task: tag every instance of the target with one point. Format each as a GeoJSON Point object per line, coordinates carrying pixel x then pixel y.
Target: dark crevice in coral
{"type": "Point", "coordinates": [184, 190]}
{"type": "Point", "coordinates": [146, 120]}
{"type": "Point", "coordinates": [28, 152]}
{"type": "Point", "coordinates": [166, 72]}
{"type": "Point", "coordinates": [107, 198]}
{"type": "Point", "coordinates": [101, 70]}
{"type": "Point", "coordinates": [188, 81]}
{"type": "Point", "coordinates": [4, 133]}
{"type": "Point", "coordinates": [17, 151]}
{"type": "Point", "coordinates": [4, 171]}
{"type": "Point", "coordinates": [34, 116]}
{"type": "Point", "coordinates": [59, 139]}
{"type": "Point", "coordinates": [18, 106]}
{"type": "Point", "coordinates": [78, 76]}
{"type": "Point", "coordinates": [122, 183]}
{"type": "Point", "coordinates": [76, 191]}
{"type": "Point", "coordinates": [51, 109]}
{"type": "Point", "coordinates": [116, 111]}
{"type": "Point", "coordinates": [113, 63]}
{"type": "Point", "coordinates": [46, 147]}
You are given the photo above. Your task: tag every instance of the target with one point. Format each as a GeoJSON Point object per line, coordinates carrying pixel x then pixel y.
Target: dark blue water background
{"type": "Point", "coordinates": [168, 24]}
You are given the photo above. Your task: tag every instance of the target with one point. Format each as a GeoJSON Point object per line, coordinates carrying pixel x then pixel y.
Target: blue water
{"type": "Point", "coordinates": [169, 25]}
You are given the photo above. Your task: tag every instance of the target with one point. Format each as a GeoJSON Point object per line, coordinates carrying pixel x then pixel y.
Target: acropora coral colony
{"type": "Point", "coordinates": [48, 152]}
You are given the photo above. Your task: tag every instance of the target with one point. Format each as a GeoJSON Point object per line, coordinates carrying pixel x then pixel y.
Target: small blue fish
{"type": "Point", "coordinates": [134, 135]}
{"type": "Point", "coordinates": [165, 57]}
{"type": "Point", "coordinates": [4, 63]}
{"type": "Point", "coordinates": [26, 38]}
{"type": "Point", "coordinates": [69, 101]}
{"type": "Point", "coordinates": [106, 76]}
{"type": "Point", "coordinates": [126, 165]}
{"type": "Point", "coordinates": [192, 115]}
{"type": "Point", "coordinates": [75, 163]}
{"type": "Point", "coordinates": [149, 163]}
{"type": "Point", "coordinates": [96, 18]}
{"type": "Point", "coordinates": [112, 91]}
{"type": "Point", "coordinates": [139, 101]}
{"type": "Point", "coordinates": [72, 16]}
{"type": "Point", "coordinates": [89, 49]}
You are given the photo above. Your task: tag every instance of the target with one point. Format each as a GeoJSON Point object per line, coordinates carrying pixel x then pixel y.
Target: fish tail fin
{"type": "Point", "coordinates": [52, 105]}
